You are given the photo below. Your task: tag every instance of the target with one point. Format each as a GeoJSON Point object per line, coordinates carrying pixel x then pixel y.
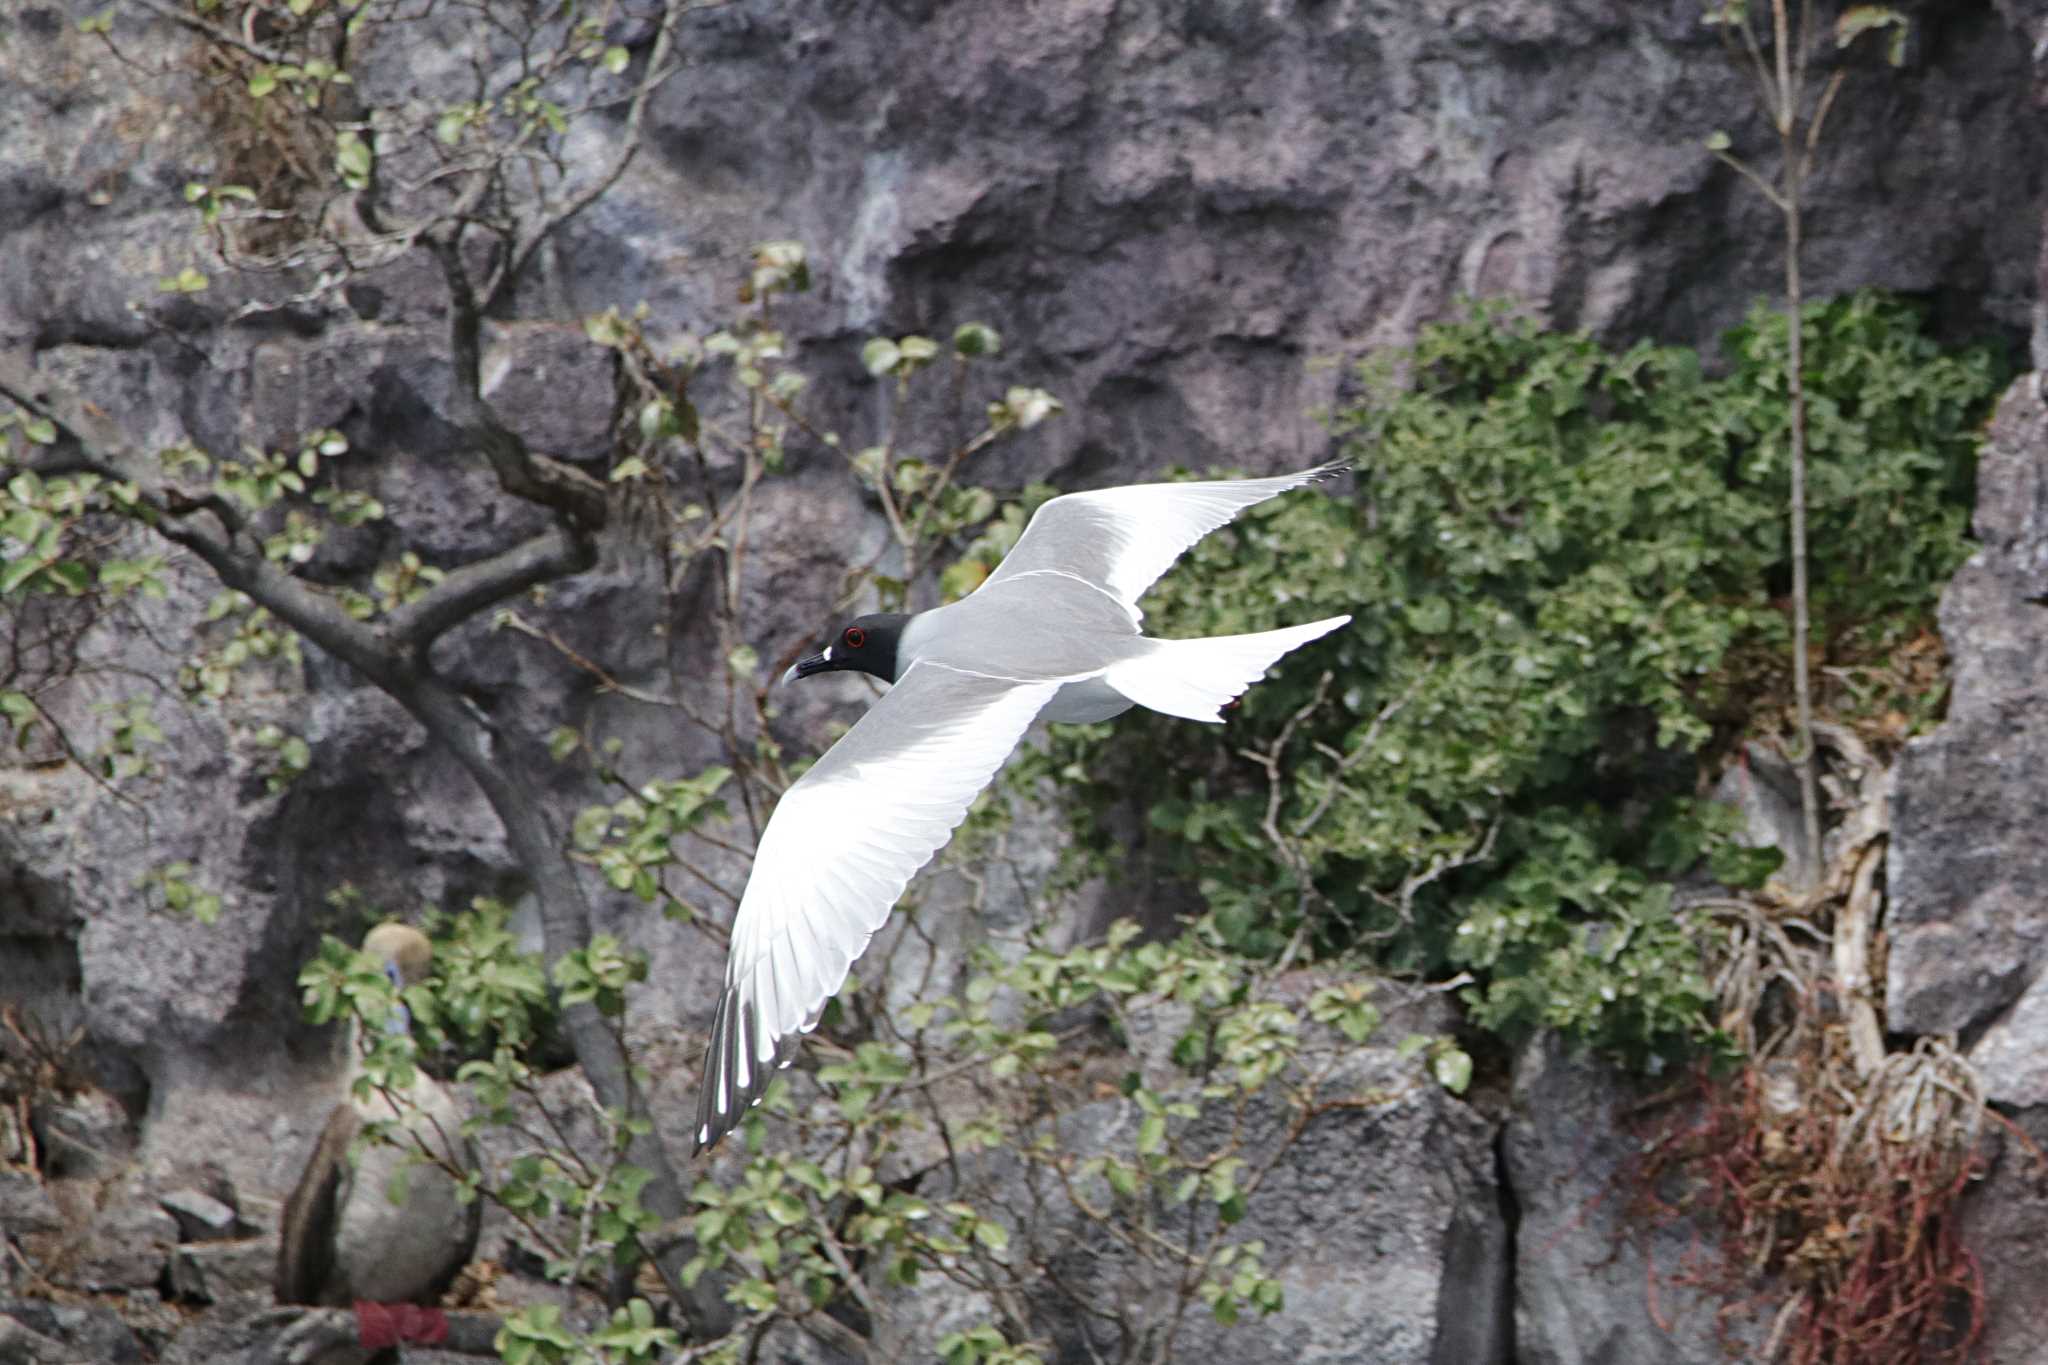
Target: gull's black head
{"type": "Point", "coordinates": [866, 644]}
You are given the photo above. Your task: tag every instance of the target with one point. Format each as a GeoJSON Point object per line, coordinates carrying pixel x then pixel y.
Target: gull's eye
{"type": "Point", "coordinates": [854, 638]}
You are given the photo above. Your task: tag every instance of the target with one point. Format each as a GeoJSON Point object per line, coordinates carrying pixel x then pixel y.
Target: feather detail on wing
{"type": "Point", "coordinates": [838, 851]}
{"type": "Point", "coordinates": [1123, 539]}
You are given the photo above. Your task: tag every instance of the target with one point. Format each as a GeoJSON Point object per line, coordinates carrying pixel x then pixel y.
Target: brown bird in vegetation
{"type": "Point", "coordinates": [344, 1238]}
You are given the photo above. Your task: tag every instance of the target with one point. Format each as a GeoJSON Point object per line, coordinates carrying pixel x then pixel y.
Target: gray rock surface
{"type": "Point", "coordinates": [2006, 1223]}
{"type": "Point", "coordinates": [1196, 199]}
{"type": "Point", "coordinates": [39, 1333]}
{"type": "Point", "coordinates": [236, 1274]}
{"type": "Point", "coordinates": [201, 1217]}
{"type": "Point", "coordinates": [1968, 921]}
{"type": "Point", "coordinates": [1383, 1223]}
{"type": "Point", "coordinates": [1593, 1283]}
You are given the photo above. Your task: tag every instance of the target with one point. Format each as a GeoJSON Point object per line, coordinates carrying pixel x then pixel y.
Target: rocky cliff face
{"type": "Point", "coordinates": [1171, 211]}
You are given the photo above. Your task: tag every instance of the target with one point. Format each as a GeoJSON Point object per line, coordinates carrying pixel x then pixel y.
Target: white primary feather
{"type": "Point", "coordinates": [838, 851]}
{"type": "Point", "coordinates": [1195, 679]}
{"type": "Point", "coordinates": [1123, 539]}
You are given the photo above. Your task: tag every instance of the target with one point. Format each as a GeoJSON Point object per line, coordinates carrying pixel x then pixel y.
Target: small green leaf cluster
{"type": "Point", "coordinates": [996, 539]}
{"type": "Point", "coordinates": [342, 982]}
{"type": "Point", "coordinates": [252, 635]}
{"type": "Point", "coordinates": [599, 973]}
{"type": "Point", "coordinates": [984, 1345]}
{"type": "Point", "coordinates": [925, 501]}
{"type": "Point", "coordinates": [491, 992]}
{"type": "Point", "coordinates": [132, 732]}
{"type": "Point", "coordinates": [1892, 430]}
{"type": "Point", "coordinates": [62, 550]}
{"type": "Point", "coordinates": [631, 841]}
{"type": "Point", "coordinates": [537, 1335]}
{"type": "Point", "coordinates": [1190, 1130]}
{"type": "Point", "coordinates": [44, 528]}
{"type": "Point", "coordinates": [1556, 553]}
{"type": "Point", "coordinates": [292, 752]}
{"type": "Point", "coordinates": [308, 81]}
{"type": "Point", "coordinates": [181, 894]}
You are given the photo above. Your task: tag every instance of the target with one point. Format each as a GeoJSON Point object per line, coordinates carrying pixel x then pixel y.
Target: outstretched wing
{"type": "Point", "coordinates": [1122, 539]}
{"type": "Point", "coordinates": [837, 853]}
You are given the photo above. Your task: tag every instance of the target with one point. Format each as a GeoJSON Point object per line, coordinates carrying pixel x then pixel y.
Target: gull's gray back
{"type": "Point", "coordinates": [1031, 627]}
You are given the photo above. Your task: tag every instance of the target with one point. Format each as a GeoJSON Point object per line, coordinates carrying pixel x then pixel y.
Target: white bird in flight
{"type": "Point", "coordinates": [1052, 633]}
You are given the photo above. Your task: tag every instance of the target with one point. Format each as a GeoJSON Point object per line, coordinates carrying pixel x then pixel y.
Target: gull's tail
{"type": "Point", "coordinates": [1195, 679]}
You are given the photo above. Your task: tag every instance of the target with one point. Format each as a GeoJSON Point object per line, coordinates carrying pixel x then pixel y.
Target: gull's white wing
{"type": "Point", "coordinates": [837, 853]}
{"type": "Point", "coordinates": [1122, 539]}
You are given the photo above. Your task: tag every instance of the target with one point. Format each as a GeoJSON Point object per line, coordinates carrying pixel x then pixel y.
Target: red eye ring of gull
{"type": "Point", "coordinates": [855, 637]}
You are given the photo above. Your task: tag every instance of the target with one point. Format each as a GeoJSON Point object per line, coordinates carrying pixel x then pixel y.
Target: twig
{"type": "Point", "coordinates": [512, 620]}
{"type": "Point", "coordinates": [214, 32]}
{"type": "Point", "coordinates": [1364, 747]}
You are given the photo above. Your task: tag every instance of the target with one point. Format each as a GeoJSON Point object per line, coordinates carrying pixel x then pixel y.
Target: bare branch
{"type": "Point", "coordinates": [565, 490]}
{"type": "Point", "coordinates": [1820, 118]}
{"type": "Point", "coordinates": [1359, 751]}
{"type": "Point", "coordinates": [1748, 172]}
{"type": "Point", "coordinates": [241, 566]}
{"type": "Point", "coordinates": [659, 69]}
{"type": "Point", "coordinates": [554, 553]}
{"type": "Point", "coordinates": [213, 32]}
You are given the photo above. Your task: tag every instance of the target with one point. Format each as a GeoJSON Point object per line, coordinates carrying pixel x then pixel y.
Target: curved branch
{"type": "Point", "coordinates": [554, 553]}
{"type": "Point", "coordinates": [174, 515]}
{"type": "Point", "coordinates": [214, 32]}
{"type": "Point", "coordinates": [563, 489]}
{"type": "Point", "coordinates": [313, 614]}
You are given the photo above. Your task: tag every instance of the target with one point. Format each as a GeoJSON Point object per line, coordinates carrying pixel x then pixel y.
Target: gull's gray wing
{"type": "Point", "coordinates": [837, 853]}
{"type": "Point", "coordinates": [1122, 539]}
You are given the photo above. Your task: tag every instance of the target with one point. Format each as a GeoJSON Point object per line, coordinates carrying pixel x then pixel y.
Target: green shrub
{"type": "Point", "coordinates": [1554, 550]}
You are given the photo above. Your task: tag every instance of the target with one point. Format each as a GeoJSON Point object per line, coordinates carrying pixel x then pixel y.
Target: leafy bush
{"type": "Point", "coordinates": [1892, 426]}
{"type": "Point", "coordinates": [1554, 554]}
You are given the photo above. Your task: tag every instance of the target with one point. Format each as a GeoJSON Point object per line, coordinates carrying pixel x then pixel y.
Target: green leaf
{"type": "Point", "coordinates": [1025, 408]}
{"type": "Point", "coordinates": [880, 356]}
{"type": "Point", "coordinates": [1453, 1069]}
{"type": "Point", "coordinates": [976, 339]}
{"type": "Point", "coordinates": [353, 159]}
{"type": "Point", "coordinates": [1857, 20]}
{"type": "Point", "coordinates": [616, 59]}
{"type": "Point", "coordinates": [1151, 1133]}
{"type": "Point", "coordinates": [1719, 141]}
{"type": "Point", "coordinates": [15, 572]}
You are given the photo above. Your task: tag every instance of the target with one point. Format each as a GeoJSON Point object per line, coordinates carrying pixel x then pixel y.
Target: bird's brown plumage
{"type": "Point", "coordinates": [342, 1238]}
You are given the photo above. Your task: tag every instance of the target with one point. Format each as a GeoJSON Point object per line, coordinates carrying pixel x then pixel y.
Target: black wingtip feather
{"type": "Point", "coordinates": [721, 1062]}
{"type": "Point", "coordinates": [735, 1033]}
